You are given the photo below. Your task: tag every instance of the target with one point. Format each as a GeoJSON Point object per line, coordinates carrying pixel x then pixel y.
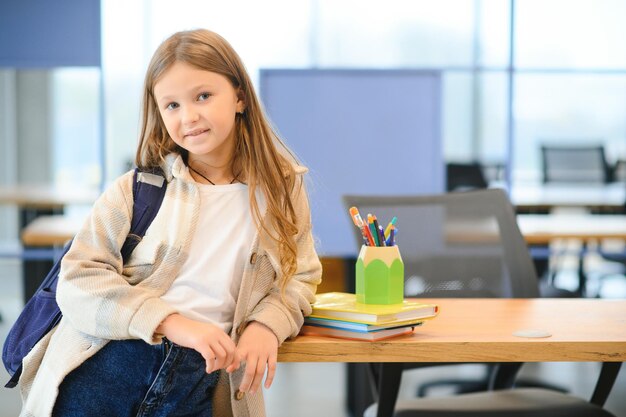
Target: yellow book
{"type": "Point", "coordinates": [343, 306]}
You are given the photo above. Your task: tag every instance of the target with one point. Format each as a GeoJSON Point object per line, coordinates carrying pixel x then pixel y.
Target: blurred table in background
{"type": "Point", "coordinates": [55, 230]}
{"type": "Point", "coordinates": [542, 229]}
{"type": "Point", "coordinates": [601, 198]}
{"type": "Point", "coordinates": [34, 201]}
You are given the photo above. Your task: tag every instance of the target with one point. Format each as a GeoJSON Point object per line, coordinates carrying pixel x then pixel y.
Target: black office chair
{"type": "Point", "coordinates": [458, 245]}
{"type": "Point", "coordinates": [575, 164]}
{"type": "Point", "coordinates": [464, 176]}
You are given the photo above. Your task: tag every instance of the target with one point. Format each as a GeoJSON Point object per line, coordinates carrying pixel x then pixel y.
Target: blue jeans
{"type": "Point", "coordinates": [132, 378]}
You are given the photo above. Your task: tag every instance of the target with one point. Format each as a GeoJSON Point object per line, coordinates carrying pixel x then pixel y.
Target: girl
{"type": "Point", "coordinates": [223, 276]}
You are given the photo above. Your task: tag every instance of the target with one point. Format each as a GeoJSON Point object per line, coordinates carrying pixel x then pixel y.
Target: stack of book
{"type": "Point", "coordinates": [337, 314]}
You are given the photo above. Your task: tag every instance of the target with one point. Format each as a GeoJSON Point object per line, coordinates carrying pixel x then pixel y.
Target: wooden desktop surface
{"type": "Point", "coordinates": [481, 330]}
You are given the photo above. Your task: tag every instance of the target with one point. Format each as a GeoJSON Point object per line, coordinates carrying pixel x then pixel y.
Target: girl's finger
{"type": "Point", "coordinates": [230, 354]}
{"type": "Point", "coordinates": [220, 356]}
{"type": "Point", "coordinates": [209, 358]}
{"type": "Point", "coordinates": [235, 363]}
{"type": "Point", "coordinates": [248, 375]}
{"type": "Point", "coordinates": [271, 371]}
{"type": "Point", "coordinates": [258, 375]}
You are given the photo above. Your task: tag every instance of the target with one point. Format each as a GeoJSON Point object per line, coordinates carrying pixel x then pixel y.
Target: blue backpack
{"type": "Point", "coordinates": [41, 314]}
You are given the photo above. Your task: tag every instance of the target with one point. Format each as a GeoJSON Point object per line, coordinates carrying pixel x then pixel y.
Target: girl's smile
{"type": "Point", "coordinates": [197, 132]}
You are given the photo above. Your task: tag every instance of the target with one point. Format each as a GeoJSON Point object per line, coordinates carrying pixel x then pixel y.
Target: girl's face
{"type": "Point", "coordinates": [198, 109]}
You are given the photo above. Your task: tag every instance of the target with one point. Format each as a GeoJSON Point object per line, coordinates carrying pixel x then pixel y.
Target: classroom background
{"type": "Point", "coordinates": [492, 84]}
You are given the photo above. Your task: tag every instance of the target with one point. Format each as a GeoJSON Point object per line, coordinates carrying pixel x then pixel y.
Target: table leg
{"type": "Point", "coordinates": [388, 387]}
{"type": "Point", "coordinates": [503, 375]}
{"type": "Point", "coordinates": [359, 394]}
{"type": "Point", "coordinates": [34, 270]}
{"type": "Point", "coordinates": [607, 378]}
{"type": "Point", "coordinates": [582, 278]}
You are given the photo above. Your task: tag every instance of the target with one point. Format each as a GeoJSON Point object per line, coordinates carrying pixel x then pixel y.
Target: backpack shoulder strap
{"type": "Point", "coordinates": [148, 192]}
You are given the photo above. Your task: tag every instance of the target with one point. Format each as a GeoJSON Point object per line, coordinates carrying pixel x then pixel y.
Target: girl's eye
{"type": "Point", "coordinates": [172, 106]}
{"type": "Point", "coordinates": [204, 96]}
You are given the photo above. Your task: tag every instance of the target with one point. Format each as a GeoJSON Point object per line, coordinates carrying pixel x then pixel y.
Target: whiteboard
{"type": "Point", "coordinates": [372, 132]}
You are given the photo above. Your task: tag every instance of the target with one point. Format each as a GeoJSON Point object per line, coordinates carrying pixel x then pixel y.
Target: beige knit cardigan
{"type": "Point", "coordinates": [102, 300]}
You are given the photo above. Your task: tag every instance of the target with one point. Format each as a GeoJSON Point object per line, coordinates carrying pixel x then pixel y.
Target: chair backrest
{"type": "Point", "coordinates": [574, 164]}
{"type": "Point", "coordinates": [463, 244]}
{"type": "Point", "coordinates": [464, 176]}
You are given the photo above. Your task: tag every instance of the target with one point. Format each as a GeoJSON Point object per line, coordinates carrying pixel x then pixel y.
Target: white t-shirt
{"type": "Point", "coordinates": [208, 284]}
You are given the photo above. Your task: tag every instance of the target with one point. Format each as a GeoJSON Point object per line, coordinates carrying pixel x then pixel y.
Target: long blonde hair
{"type": "Point", "coordinates": [256, 155]}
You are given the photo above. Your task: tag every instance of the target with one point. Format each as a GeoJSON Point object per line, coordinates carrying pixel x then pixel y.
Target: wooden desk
{"type": "Point", "coordinates": [34, 201]}
{"type": "Point", "coordinates": [481, 330]}
{"type": "Point", "coordinates": [53, 230]}
{"type": "Point", "coordinates": [541, 229]}
{"type": "Point", "coordinates": [599, 197]}
{"type": "Point", "coordinates": [46, 197]}
{"type": "Point", "coordinates": [47, 233]}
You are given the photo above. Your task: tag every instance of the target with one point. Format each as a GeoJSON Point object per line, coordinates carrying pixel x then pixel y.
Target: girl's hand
{"type": "Point", "coordinates": [258, 346]}
{"type": "Point", "coordinates": [215, 346]}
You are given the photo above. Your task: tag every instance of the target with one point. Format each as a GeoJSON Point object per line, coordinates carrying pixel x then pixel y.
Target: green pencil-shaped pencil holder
{"type": "Point", "coordinates": [379, 275]}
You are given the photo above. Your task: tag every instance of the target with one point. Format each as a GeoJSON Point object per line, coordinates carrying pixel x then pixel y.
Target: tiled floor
{"type": "Point", "coordinates": [318, 389]}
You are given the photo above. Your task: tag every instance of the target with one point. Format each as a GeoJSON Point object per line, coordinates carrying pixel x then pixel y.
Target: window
{"type": "Point", "coordinates": [75, 126]}
{"type": "Point", "coordinates": [568, 34]}
{"type": "Point", "coordinates": [571, 49]}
